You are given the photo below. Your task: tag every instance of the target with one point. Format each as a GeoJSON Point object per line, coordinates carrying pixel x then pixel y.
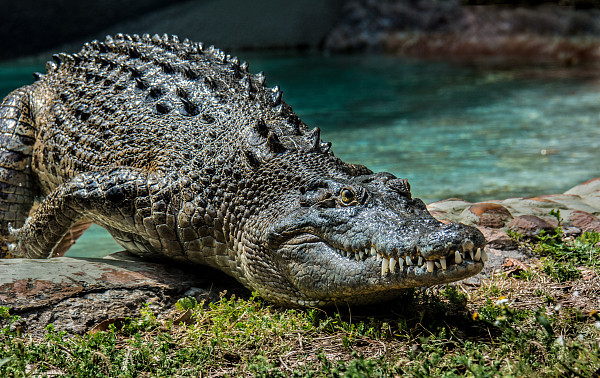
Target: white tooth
{"type": "Point", "coordinates": [408, 261]}
{"type": "Point", "coordinates": [356, 256]}
{"type": "Point", "coordinates": [385, 264]}
{"type": "Point", "coordinates": [471, 254]}
{"type": "Point", "coordinates": [420, 261]}
{"type": "Point", "coordinates": [484, 256]}
{"type": "Point", "coordinates": [373, 251]}
{"type": "Point", "coordinates": [437, 264]}
{"type": "Point", "coordinates": [400, 263]}
{"type": "Point", "coordinates": [378, 256]}
{"type": "Point", "coordinates": [393, 265]}
{"type": "Point", "coordinates": [478, 255]}
{"type": "Point", "coordinates": [366, 252]}
{"type": "Point", "coordinates": [457, 257]}
{"type": "Point", "coordinates": [443, 263]}
{"type": "Point", "coordinates": [361, 254]}
{"type": "Point", "coordinates": [430, 266]}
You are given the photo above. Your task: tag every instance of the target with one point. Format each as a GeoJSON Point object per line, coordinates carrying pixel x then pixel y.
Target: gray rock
{"type": "Point", "coordinates": [75, 294]}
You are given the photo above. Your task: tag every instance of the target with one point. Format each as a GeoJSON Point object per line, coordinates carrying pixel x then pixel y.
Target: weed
{"type": "Point", "coordinates": [556, 214]}
{"type": "Point", "coordinates": [515, 235]}
{"type": "Point", "coordinates": [186, 303]}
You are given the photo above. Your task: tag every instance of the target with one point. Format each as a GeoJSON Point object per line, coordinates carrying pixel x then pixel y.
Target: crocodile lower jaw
{"type": "Point", "coordinates": [391, 265]}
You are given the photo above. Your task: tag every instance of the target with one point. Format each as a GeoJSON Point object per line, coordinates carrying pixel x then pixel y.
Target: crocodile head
{"type": "Point", "coordinates": [362, 240]}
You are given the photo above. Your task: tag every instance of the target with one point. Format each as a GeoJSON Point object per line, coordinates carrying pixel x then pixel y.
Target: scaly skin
{"type": "Point", "coordinates": [181, 154]}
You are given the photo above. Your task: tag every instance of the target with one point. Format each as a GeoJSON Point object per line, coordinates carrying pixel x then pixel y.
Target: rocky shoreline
{"type": "Point", "coordinates": [577, 209]}
{"type": "Point", "coordinates": [451, 30]}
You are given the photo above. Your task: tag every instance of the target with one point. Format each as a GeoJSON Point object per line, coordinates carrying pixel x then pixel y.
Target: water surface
{"type": "Point", "coordinates": [454, 130]}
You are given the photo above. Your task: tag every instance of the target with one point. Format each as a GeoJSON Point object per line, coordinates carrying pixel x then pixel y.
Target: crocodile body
{"type": "Point", "coordinates": [182, 154]}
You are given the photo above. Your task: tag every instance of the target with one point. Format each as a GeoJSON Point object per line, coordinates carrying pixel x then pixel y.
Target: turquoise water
{"type": "Point", "coordinates": [454, 130]}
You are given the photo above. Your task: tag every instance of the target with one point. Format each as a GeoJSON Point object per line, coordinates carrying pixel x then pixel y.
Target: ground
{"type": "Point", "coordinates": [535, 317]}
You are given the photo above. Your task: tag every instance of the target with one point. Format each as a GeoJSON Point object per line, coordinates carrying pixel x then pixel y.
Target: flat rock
{"type": "Point", "coordinates": [531, 225]}
{"type": "Point", "coordinates": [75, 294]}
{"type": "Point", "coordinates": [492, 215]}
{"type": "Point", "coordinates": [585, 221]}
{"type": "Point", "coordinates": [498, 239]}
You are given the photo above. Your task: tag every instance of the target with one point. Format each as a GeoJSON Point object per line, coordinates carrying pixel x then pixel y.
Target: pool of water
{"type": "Point", "coordinates": [454, 130]}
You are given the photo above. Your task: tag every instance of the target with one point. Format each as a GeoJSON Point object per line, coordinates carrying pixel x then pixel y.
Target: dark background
{"type": "Point", "coordinates": [30, 27]}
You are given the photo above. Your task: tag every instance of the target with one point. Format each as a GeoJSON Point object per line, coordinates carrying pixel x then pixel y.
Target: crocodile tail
{"type": "Point", "coordinates": [17, 136]}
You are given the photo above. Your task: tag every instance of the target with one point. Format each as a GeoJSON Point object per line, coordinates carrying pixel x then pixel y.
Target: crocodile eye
{"type": "Point", "coordinates": [347, 196]}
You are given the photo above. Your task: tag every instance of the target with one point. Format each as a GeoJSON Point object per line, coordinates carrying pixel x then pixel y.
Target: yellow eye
{"type": "Point", "coordinates": [347, 196]}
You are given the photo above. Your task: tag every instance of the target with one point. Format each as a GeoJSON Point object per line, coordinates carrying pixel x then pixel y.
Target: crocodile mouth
{"type": "Point", "coordinates": [398, 262]}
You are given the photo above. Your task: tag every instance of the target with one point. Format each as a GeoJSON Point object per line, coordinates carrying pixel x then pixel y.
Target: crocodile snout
{"type": "Point", "coordinates": [449, 238]}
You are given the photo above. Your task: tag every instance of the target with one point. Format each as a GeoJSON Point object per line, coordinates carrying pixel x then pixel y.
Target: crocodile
{"type": "Point", "coordinates": [183, 155]}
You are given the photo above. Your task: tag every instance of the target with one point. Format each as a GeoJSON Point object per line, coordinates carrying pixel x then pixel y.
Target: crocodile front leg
{"type": "Point", "coordinates": [113, 199]}
{"type": "Point", "coordinates": [17, 189]}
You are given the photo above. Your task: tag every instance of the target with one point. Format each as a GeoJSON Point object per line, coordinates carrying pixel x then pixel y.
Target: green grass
{"type": "Point", "coordinates": [563, 255]}
{"type": "Point", "coordinates": [433, 334]}
{"type": "Point", "coordinates": [520, 325]}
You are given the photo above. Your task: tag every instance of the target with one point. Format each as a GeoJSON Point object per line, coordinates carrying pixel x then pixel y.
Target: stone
{"type": "Point", "coordinates": [585, 221]}
{"type": "Point", "coordinates": [589, 191]}
{"type": "Point", "coordinates": [530, 225]}
{"type": "Point", "coordinates": [74, 294]}
{"type": "Point", "coordinates": [448, 210]}
{"type": "Point", "coordinates": [491, 215]}
{"type": "Point", "coordinates": [498, 239]}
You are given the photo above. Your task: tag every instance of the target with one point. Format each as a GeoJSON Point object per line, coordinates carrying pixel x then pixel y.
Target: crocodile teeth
{"type": "Point", "coordinates": [374, 251]}
{"type": "Point", "coordinates": [420, 261]}
{"type": "Point", "coordinates": [477, 255]}
{"type": "Point", "coordinates": [408, 261]}
{"type": "Point", "coordinates": [437, 264]}
{"type": "Point", "coordinates": [378, 256]}
{"type": "Point", "coordinates": [471, 254]}
{"type": "Point", "coordinates": [361, 254]}
{"type": "Point", "coordinates": [443, 263]}
{"type": "Point", "coordinates": [357, 257]}
{"type": "Point", "coordinates": [484, 256]}
{"type": "Point", "coordinates": [392, 265]}
{"type": "Point", "coordinates": [385, 264]}
{"type": "Point", "coordinates": [457, 257]}
{"type": "Point", "coordinates": [430, 266]}
{"type": "Point", "coordinates": [400, 263]}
